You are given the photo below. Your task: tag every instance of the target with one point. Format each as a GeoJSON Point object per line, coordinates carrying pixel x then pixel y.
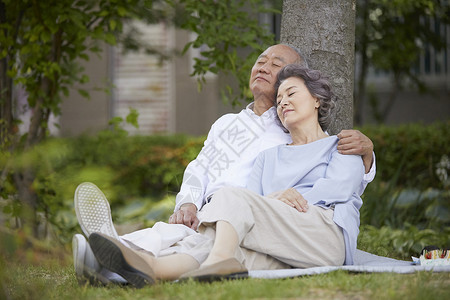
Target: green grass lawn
{"type": "Point", "coordinates": [32, 269]}
{"type": "Point", "coordinates": [55, 279]}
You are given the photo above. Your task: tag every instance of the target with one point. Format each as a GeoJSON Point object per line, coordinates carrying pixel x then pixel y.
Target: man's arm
{"type": "Point", "coordinates": [190, 198]}
{"type": "Point", "coordinates": [354, 142]}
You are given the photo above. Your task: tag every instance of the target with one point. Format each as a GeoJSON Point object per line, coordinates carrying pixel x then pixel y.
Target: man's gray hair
{"type": "Point", "coordinates": [317, 85]}
{"type": "Point", "coordinates": [302, 61]}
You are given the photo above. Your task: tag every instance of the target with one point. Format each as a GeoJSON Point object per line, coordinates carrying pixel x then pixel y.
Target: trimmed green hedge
{"type": "Point", "coordinates": [409, 153]}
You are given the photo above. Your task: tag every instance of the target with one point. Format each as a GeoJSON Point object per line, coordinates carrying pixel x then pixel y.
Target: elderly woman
{"type": "Point", "coordinates": [300, 208]}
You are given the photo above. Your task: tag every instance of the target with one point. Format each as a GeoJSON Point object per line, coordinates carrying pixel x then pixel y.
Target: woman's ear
{"type": "Point", "coordinates": [317, 104]}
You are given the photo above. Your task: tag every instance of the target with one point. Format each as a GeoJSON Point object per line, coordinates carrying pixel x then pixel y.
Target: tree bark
{"type": "Point", "coordinates": [324, 31]}
{"type": "Point", "coordinates": [24, 182]}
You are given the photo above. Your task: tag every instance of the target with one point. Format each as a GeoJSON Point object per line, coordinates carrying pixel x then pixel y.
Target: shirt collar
{"type": "Point", "coordinates": [270, 113]}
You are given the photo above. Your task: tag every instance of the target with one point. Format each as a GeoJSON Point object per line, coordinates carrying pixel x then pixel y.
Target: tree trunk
{"type": "Point", "coordinates": [36, 133]}
{"type": "Point", "coordinates": [324, 31]}
{"type": "Point", "coordinates": [28, 198]}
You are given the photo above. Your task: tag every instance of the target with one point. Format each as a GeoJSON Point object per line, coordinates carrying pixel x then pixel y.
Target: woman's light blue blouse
{"type": "Point", "coordinates": [322, 175]}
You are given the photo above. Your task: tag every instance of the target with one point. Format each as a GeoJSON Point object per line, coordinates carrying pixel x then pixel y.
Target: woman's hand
{"type": "Point", "coordinates": [292, 198]}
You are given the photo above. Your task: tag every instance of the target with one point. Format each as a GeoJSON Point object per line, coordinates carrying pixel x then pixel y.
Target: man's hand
{"type": "Point", "coordinates": [354, 142]}
{"type": "Point", "coordinates": [292, 198]}
{"type": "Point", "coordinates": [187, 215]}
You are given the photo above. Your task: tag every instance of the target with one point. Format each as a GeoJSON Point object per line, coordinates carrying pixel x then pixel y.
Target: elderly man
{"type": "Point", "coordinates": [226, 159]}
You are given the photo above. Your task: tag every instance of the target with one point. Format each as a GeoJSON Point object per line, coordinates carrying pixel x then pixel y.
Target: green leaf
{"type": "Point", "coordinates": [84, 56]}
{"type": "Point", "coordinates": [186, 47]}
{"type": "Point", "coordinates": [121, 11]}
{"type": "Point", "coordinates": [3, 53]}
{"type": "Point", "coordinates": [115, 121]}
{"type": "Point", "coordinates": [84, 79]}
{"type": "Point", "coordinates": [132, 117]}
{"type": "Point", "coordinates": [46, 36]}
{"type": "Point", "coordinates": [110, 38]}
{"type": "Point", "coordinates": [103, 13]}
{"type": "Point", "coordinates": [112, 24]}
{"type": "Point", "coordinates": [84, 93]}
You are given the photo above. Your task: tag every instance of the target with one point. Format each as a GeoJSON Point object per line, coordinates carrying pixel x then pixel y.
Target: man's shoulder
{"type": "Point", "coordinates": [229, 117]}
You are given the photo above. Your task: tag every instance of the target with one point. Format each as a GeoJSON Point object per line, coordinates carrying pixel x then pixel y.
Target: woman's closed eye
{"type": "Point", "coordinates": [279, 100]}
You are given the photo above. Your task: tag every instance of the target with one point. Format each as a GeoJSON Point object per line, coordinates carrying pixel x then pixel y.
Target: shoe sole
{"type": "Point", "coordinates": [228, 269]}
{"type": "Point", "coordinates": [83, 273]}
{"type": "Point", "coordinates": [212, 278]}
{"type": "Point", "coordinates": [93, 210]}
{"type": "Point", "coordinates": [117, 258]}
{"type": "Point", "coordinates": [78, 260]}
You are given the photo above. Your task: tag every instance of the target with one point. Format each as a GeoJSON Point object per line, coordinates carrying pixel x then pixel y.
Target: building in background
{"type": "Point", "coordinates": [166, 97]}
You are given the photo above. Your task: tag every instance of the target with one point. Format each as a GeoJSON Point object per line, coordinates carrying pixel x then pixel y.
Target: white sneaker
{"type": "Point", "coordinates": [87, 269]}
{"type": "Point", "coordinates": [93, 210]}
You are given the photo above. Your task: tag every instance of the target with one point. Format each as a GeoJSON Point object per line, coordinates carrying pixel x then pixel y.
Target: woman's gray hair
{"type": "Point", "coordinates": [317, 85]}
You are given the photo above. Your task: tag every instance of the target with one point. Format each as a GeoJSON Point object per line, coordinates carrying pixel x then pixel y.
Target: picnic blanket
{"type": "Point", "coordinates": [364, 262]}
